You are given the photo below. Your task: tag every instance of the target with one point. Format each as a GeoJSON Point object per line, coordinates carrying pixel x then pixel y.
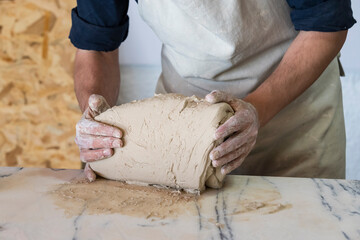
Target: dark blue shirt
{"type": "Point", "coordinates": [102, 25]}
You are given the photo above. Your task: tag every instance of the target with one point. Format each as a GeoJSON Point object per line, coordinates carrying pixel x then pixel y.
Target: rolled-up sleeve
{"type": "Point", "coordinates": [321, 15]}
{"type": "Point", "coordinates": [100, 25]}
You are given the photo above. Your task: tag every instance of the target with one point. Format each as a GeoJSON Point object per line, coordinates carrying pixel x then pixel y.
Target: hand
{"type": "Point", "coordinates": [96, 140]}
{"type": "Point", "coordinates": [239, 131]}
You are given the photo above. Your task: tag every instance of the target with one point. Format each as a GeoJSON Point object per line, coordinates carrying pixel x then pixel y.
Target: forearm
{"type": "Point", "coordinates": [303, 63]}
{"type": "Point", "coordinates": [96, 73]}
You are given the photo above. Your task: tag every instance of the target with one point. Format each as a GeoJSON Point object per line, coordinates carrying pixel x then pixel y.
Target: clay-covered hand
{"type": "Point", "coordinates": [239, 131]}
{"type": "Point", "coordinates": [96, 140]}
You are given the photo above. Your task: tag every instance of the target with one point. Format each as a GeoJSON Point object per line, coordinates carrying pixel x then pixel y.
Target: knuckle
{"type": "Point", "coordinates": [77, 141]}
{"type": "Point", "coordinates": [94, 98]}
{"type": "Point", "coordinates": [78, 126]}
{"type": "Point", "coordinates": [229, 160]}
{"type": "Point", "coordinates": [215, 92]}
{"type": "Point", "coordinates": [239, 151]}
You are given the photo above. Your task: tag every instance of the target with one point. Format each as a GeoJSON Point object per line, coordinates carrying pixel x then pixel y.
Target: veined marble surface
{"type": "Point", "coordinates": [59, 204]}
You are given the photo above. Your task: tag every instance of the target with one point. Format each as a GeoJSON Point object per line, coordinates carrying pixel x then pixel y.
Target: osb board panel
{"type": "Point", "coordinates": [38, 107]}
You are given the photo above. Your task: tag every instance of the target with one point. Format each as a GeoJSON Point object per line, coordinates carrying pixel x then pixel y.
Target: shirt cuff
{"type": "Point", "coordinates": [84, 35]}
{"type": "Point", "coordinates": [327, 16]}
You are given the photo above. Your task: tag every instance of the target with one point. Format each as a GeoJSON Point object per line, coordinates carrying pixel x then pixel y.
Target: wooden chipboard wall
{"type": "Point", "coordinates": [38, 107]}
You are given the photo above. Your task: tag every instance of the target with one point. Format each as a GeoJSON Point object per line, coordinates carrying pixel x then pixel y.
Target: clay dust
{"type": "Point", "coordinates": [109, 197]}
{"type": "Point", "coordinates": [149, 202]}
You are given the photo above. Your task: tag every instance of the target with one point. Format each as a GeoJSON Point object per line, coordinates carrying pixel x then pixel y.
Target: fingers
{"type": "Point", "coordinates": [244, 114]}
{"type": "Point", "coordinates": [96, 139]}
{"type": "Point", "coordinates": [91, 127]}
{"type": "Point", "coordinates": [90, 141]}
{"type": "Point", "coordinates": [241, 130]}
{"type": "Point", "coordinates": [89, 173]}
{"type": "Point", "coordinates": [89, 155]}
{"type": "Point", "coordinates": [241, 120]}
{"type": "Point", "coordinates": [231, 144]}
{"type": "Point", "coordinates": [97, 104]}
{"type": "Point", "coordinates": [233, 124]}
{"type": "Point", "coordinates": [242, 151]}
{"type": "Point", "coordinates": [226, 169]}
{"type": "Point", "coordinates": [229, 157]}
{"type": "Point", "coordinates": [218, 96]}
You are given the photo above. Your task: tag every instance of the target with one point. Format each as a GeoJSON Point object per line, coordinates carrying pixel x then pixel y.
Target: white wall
{"type": "Point", "coordinates": [350, 53]}
{"type": "Point", "coordinates": [142, 46]}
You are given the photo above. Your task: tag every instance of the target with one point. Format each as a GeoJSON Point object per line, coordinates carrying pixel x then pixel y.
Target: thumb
{"type": "Point", "coordinates": [89, 173]}
{"type": "Point", "coordinates": [218, 96]}
{"type": "Point", "coordinates": [97, 104]}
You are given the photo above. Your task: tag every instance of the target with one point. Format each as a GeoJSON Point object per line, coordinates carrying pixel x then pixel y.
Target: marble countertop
{"type": "Point", "coordinates": [60, 204]}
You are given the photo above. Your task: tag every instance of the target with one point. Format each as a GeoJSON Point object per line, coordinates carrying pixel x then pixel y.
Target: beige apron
{"type": "Point", "coordinates": [234, 46]}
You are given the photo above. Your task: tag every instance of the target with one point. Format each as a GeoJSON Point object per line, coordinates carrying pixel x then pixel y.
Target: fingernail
{"type": "Point", "coordinates": [215, 163]}
{"type": "Point", "coordinates": [117, 134]}
{"type": "Point", "coordinates": [107, 152]}
{"type": "Point", "coordinates": [91, 178]}
{"type": "Point", "coordinates": [210, 99]}
{"type": "Point", "coordinates": [214, 155]}
{"type": "Point", "coordinates": [116, 143]}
